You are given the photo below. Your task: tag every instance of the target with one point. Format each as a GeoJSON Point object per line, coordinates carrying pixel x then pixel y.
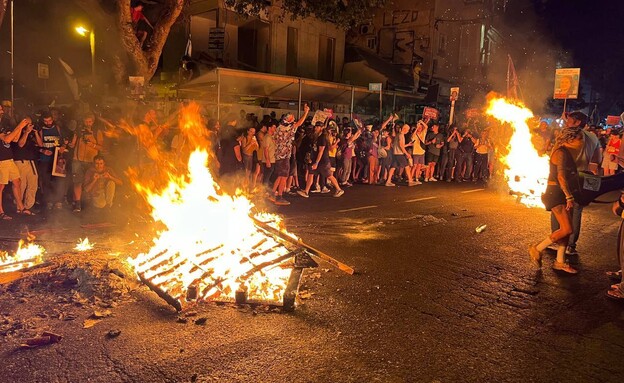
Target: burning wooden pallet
{"type": "Point", "coordinates": [264, 267]}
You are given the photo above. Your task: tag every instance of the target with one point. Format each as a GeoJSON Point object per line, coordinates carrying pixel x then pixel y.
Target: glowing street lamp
{"type": "Point", "coordinates": [82, 31]}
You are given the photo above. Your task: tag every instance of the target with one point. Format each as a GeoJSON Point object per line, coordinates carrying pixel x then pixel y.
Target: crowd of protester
{"type": "Point", "coordinates": [301, 157]}
{"type": "Point", "coordinates": [281, 156]}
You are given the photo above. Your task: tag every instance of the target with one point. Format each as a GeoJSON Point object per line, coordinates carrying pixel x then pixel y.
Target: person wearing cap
{"type": "Point", "coordinates": [320, 165]}
{"type": "Point", "coordinates": [587, 156]}
{"type": "Point", "coordinates": [283, 138]}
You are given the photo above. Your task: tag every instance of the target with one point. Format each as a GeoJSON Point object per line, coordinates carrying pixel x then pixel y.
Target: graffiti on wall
{"type": "Point", "coordinates": [400, 33]}
{"type": "Point", "coordinates": [399, 17]}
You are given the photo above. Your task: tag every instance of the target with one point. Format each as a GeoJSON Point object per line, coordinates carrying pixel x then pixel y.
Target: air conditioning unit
{"type": "Point", "coordinates": [366, 29]}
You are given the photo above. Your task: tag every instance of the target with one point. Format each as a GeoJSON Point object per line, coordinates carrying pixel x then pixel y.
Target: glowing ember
{"type": "Point", "coordinates": [526, 171]}
{"type": "Point", "coordinates": [25, 256]}
{"type": "Point", "coordinates": [83, 245]}
{"type": "Point", "coordinates": [210, 243]}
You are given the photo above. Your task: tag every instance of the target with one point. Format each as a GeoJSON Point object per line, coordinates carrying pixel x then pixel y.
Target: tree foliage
{"type": "Point", "coordinates": [344, 13]}
{"type": "Point", "coordinates": [129, 58]}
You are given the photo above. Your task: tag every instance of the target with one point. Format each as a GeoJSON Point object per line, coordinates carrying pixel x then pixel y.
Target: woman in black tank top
{"type": "Point", "coordinates": [563, 186]}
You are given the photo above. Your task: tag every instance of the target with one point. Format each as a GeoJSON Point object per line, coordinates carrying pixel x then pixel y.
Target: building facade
{"type": "Point", "coordinates": [444, 42]}
{"type": "Point", "coordinates": [271, 43]}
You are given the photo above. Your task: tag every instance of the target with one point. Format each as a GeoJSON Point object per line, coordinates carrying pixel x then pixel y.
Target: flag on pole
{"type": "Point", "coordinates": [513, 85]}
{"type": "Point", "coordinates": [71, 79]}
{"type": "Point", "coordinates": [188, 51]}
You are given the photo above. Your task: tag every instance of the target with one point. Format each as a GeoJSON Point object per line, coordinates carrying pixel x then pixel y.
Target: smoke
{"type": "Point", "coordinates": [534, 53]}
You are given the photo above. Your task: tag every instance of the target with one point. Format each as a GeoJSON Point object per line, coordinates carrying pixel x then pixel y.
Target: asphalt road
{"type": "Point", "coordinates": [432, 301]}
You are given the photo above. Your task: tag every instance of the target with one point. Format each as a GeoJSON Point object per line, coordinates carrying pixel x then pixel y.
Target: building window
{"type": "Point", "coordinates": [442, 44]}
{"type": "Point", "coordinates": [371, 43]}
{"type": "Point", "coordinates": [326, 58]}
{"type": "Point", "coordinates": [292, 51]}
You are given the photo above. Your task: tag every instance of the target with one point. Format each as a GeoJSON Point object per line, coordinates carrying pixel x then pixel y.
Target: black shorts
{"type": "Point", "coordinates": [399, 161]}
{"type": "Point", "coordinates": [553, 196]}
{"type": "Point", "coordinates": [282, 168]}
{"type": "Point", "coordinates": [332, 162]}
{"type": "Point", "coordinates": [322, 169]}
{"type": "Point", "coordinates": [430, 157]}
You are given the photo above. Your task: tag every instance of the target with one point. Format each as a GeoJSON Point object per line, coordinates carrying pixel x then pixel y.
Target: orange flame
{"type": "Point", "coordinates": [84, 245]}
{"type": "Point", "coordinates": [209, 240]}
{"type": "Point", "coordinates": [526, 171]}
{"type": "Point", "coordinates": [25, 256]}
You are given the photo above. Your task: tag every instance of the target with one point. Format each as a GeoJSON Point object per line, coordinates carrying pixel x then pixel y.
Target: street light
{"type": "Point", "coordinates": [82, 31]}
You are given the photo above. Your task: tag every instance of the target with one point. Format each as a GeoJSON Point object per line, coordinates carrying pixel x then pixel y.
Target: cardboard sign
{"type": "Point", "coordinates": [432, 113]}
{"type": "Point", "coordinates": [613, 120]}
{"type": "Point", "coordinates": [59, 164]}
{"type": "Point", "coordinates": [567, 83]}
{"type": "Point", "coordinates": [322, 115]}
{"type": "Point", "coordinates": [43, 71]}
{"type": "Point", "coordinates": [454, 94]}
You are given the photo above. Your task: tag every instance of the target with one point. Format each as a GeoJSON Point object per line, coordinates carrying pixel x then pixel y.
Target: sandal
{"type": "Point", "coordinates": [536, 256]}
{"type": "Point", "coordinates": [25, 212]}
{"type": "Point", "coordinates": [615, 276]}
{"type": "Point", "coordinates": [5, 217]}
{"type": "Point", "coordinates": [565, 267]}
{"type": "Point", "coordinates": [615, 294]}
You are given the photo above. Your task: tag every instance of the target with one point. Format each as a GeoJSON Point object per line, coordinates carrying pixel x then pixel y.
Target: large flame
{"type": "Point", "coordinates": [25, 256]}
{"type": "Point", "coordinates": [526, 171]}
{"type": "Point", "coordinates": [211, 242]}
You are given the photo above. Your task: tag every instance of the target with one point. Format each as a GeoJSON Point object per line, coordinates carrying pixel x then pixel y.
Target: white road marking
{"type": "Point", "coordinates": [358, 208]}
{"type": "Point", "coordinates": [471, 191]}
{"type": "Point", "coordinates": [421, 199]}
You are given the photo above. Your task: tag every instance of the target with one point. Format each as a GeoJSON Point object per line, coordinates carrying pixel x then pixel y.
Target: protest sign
{"type": "Point", "coordinates": [567, 83]}
{"type": "Point", "coordinates": [432, 113]}
{"type": "Point", "coordinates": [613, 120]}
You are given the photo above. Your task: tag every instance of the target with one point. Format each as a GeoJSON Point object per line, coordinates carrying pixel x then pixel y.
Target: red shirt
{"type": "Point", "coordinates": [137, 15]}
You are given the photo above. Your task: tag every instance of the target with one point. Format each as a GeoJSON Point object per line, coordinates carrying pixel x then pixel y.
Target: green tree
{"type": "Point", "coordinates": [344, 13]}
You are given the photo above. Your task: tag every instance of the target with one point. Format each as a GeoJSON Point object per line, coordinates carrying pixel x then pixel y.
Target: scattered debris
{"type": "Point", "coordinates": [44, 339]}
{"type": "Point", "coordinates": [88, 323]}
{"type": "Point", "coordinates": [182, 320]}
{"type": "Point", "coordinates": [113, 334]}
{"type": "Point", "coordinates": [481, 228]}
{"type": "Point", "coordinates": [201, 321]}
{"type": "Point", "coordinates": [101, 314]}
{"type": "Point", "coordinates": [305, 294]}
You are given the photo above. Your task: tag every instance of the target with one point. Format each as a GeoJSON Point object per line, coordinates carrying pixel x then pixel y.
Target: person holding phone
{"type": "Point", "coordinates": [25, 153]}
{"type": "Point", "coordinates": [8, 169]}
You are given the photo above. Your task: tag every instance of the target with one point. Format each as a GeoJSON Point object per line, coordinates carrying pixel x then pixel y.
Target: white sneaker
{"type": "Point", "coordinates": [317, 189]}
{"type": "Point", "coordinates": [389, 184]}
{"type": "Point", "coordinates": [325, 190]}
{"type": "Point", "coordinates": [339, 193]}
{"type": "Point", "coordinates": [433, 179]}
{"type": "Point", "coordinates": [426, 179]}
{"type": "Point", "coordinates": [417, 183]}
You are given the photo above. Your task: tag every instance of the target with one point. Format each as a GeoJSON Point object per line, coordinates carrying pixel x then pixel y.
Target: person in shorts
{"type": "Point", "coordinates": [320, 165]}
{"type": "Point", "coordinates": [87, 144]}
{"type": "Point", "coordinates": [283, 138]}
{"type": "Point", "coordinates": [8, 170]}
{"type": "Point", "coordinates": [418, 149]}
{"type": "Point", "coordinates": [401, 158]}
{"type": "Point", "coordinates": [434, 142]}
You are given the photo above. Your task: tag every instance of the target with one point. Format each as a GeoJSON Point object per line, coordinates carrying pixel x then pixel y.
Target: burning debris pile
{"type": "Point", "coordinates": [526, 171]}
{"type": "Point", "coordinates": [212, 246]}
{"type": "Point", "coordinates": [213, 249]}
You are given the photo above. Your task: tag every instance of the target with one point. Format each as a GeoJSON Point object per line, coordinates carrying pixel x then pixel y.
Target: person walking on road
{"type": "Point", "coordinates": [563, 186]}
